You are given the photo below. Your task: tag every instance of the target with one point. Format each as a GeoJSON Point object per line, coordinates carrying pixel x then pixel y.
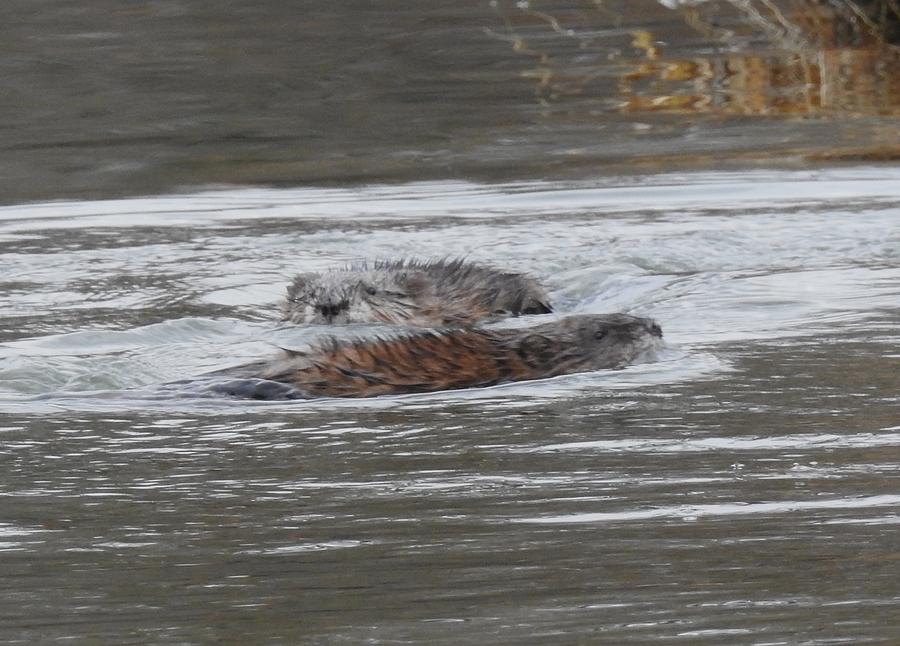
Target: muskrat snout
{"type": "Point", "coordinates": [655, 330]}
{"type": "Point", "coordinates": [331, 310]}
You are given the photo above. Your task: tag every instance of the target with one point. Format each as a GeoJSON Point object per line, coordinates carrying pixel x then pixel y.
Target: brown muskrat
{"type": "Point", "coordinates": [447, 359]}
{"type": "Point", "coordinates": [410, 292]}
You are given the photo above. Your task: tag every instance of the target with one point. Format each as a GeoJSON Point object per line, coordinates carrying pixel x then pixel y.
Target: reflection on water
{"type": "Point", "coordinates": [104, 100]}
{"type": "Point", "coordinates": [822, 60]}
{"type": "Point", "coordinates": [834, 82]}
{"type": "Point", "coordinates": [756, 59]}
{"type": "Point", "coordinates": [741, 490]}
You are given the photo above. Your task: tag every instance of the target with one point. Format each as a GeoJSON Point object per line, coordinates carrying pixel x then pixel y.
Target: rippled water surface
{"type": "Point", "coordinates": [741, 490]}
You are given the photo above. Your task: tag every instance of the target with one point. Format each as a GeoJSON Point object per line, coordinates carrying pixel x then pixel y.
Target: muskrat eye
{"type": "Point", "coordinates": [599, 334]}
{"type": "Point", "coordinates": [371, 291]}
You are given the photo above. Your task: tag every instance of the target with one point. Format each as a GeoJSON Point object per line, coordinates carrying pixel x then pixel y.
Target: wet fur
{"type": "Point", "coordinates": [448, 359]}
{"type": "Point", "coordinates": [409, 292]}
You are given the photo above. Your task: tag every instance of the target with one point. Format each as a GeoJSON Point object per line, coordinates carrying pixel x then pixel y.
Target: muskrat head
{"type": "Point", "coordinates": [590, 342]}
{"type": "Point", "coordinates": [349, 296]}
{"type": "Point", "coordinates": [615, 340]}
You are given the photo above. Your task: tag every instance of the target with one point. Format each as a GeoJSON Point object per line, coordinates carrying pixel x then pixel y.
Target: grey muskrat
{"type": "Point", "coordinates": [446, 359]}
{"type": "Point", "coordinates": [409, 292]}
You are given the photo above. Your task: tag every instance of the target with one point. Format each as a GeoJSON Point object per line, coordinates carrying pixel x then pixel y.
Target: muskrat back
{"type": "Point", "coordinates": [410, 292]}
{"type": "Point", "coordinates": [447, 359]}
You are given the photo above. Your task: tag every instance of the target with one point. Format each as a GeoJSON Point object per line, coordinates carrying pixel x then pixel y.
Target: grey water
{"type": "Point", "coordinates": [109, 99]}
{"type": "Point", "coordinates": [742, 489]}
{"type": "Point", "coordinates": [660, 158]}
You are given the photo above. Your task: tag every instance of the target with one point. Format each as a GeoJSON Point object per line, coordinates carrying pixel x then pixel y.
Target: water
{"type": "Point", "coordinates": [740, 490]}
{"type": "Point", "coordinates": [108, 100]}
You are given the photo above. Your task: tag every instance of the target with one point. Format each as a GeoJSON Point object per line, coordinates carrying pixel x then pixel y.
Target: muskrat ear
{"type": "Point", "coordinates": [536, 350]}
{"type": "Point", "coordinates": [306, 278]}
{"type": "Point", "coordinates": [300, 283]}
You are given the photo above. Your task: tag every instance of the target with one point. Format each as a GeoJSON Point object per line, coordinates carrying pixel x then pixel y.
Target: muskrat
{"type": "Point", "coordinates": [447, 292]}
{"type": "Point", "coordinates": [447, 359]}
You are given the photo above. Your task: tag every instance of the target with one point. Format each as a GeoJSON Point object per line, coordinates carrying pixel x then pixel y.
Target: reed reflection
{"type": "Point", "coordinates": [805, 58]}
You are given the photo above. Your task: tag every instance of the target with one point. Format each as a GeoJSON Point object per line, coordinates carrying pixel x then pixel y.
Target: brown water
{"type": "Point", "coordinates": [743, 489]}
